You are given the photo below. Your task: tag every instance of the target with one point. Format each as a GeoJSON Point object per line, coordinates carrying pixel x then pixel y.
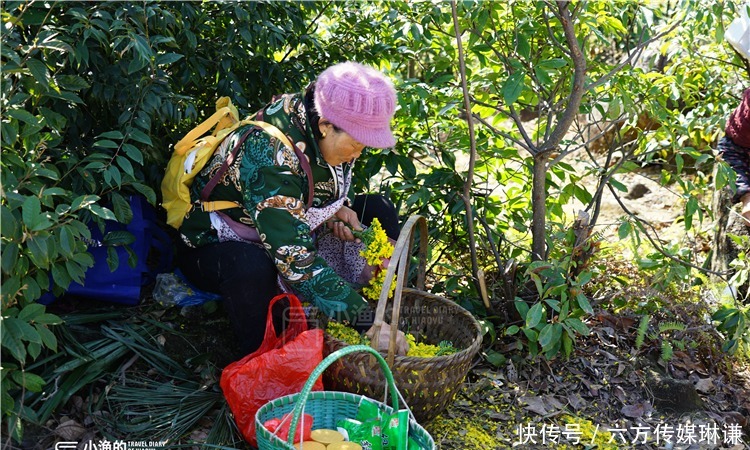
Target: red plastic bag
{"type": "Point", "coordinates": [280, 367]}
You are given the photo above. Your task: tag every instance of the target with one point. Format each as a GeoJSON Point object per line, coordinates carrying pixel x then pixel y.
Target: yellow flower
{"type": "Point", "coordinates": [428, 350]}
{"type": "Point", "coordinates": [377, 249]}
{"type": "Point", "coordinates": [346, 334]}
{"type": "Point", "coordinates": [419, 349]}
{"type": "Point", "coordinates": [377, 246]}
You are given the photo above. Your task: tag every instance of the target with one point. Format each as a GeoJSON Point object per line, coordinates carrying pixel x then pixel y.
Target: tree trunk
{"type": "Point", "coordinates": [539, 207]}
{"type": "Point", "coordinates": [565, 119]}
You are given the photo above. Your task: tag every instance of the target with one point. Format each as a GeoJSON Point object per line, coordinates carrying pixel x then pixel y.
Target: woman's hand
{"type": "Point", "coordinates": [384, 338]}
{"type": "Point", "coordinates": [344, 219]}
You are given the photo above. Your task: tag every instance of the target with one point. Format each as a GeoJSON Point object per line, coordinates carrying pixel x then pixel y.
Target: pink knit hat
{"type": "Point", "coordinates": [358, 99]}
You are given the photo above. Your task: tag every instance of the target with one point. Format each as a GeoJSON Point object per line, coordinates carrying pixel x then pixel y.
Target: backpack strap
{"type": "Point", "coordinates": [218, 205]}
{"type": "Point", "coordinates": [308, 171]}
{"type": "Point", "coordinates": [225, 116]}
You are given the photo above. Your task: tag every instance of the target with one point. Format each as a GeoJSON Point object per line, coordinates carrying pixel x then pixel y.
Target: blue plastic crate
{"type": "Point", "coordinates": [124, 284]}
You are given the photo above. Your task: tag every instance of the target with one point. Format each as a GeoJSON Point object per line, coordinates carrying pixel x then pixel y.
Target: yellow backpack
{"type": "Point", "coordinates": [193, 151]}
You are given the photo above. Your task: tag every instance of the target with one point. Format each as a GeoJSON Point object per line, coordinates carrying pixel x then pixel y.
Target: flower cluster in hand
{"type": "Point", "coordinates": [377, 249]}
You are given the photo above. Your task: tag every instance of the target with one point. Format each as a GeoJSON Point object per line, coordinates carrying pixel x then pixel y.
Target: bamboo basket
{"type": "Point", "coordinates": [427, 384]}
{"type": "Point", "coordinates": [328, 407]}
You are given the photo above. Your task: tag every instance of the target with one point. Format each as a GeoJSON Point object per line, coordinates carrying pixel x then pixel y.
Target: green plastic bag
{"type": "Point", "coordinates": [375, 430]}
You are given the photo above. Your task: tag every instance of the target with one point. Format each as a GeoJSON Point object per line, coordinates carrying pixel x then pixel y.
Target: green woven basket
{"type": "Point", "coordinates": [328, 407]}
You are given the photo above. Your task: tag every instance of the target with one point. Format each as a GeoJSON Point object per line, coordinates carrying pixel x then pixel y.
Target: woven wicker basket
{"type": "Point", "coordinates": [329, 407]}
{"type": "Point", "coordinates": [427, 384]}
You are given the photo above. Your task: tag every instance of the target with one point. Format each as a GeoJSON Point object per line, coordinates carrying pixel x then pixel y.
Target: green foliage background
{"type": "Point", "coordinates": [94, 94]}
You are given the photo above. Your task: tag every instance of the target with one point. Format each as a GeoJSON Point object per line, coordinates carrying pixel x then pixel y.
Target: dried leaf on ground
{"type": "Point", "coordinates": [543, 406]}
{"type": "Point", "coordinates": [535, 404]}
{"type": "Point", "coordinates": [635, 411]}
{"type": "Point", "coordinates": [70, 430]}
{"type": "Point", "coordinates": [704, 385]}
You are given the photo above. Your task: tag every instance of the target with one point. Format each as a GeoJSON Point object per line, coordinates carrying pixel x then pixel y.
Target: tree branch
{"type": "Point", "coordinates": [529, 146]}
{"type": "Point", "coordinates": [579, 78]}
{"type": "Point", "coordinates": [552, 38]}
{"type": "Point", "coordinates": [633, 56]}
{"type": "Point", "coordinates": [307, 31]}
{"type": "Point", "coordinates": [473, 155]}
{"type": "Point", "coordinates": [606, 175]}
{"type": "Point", "coordinates": [501, 133]}
{"type": "Point", "coordinates": [657, 246]}
{"type": "Point", "coordinates": [567, 152]}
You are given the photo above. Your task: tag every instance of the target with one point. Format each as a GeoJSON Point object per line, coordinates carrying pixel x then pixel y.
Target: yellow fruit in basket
{"type": "Point", "coordinates": [310, 445]}
{"type": "Point", "coordinates": [325, 436]}
{"type": "Point", "coordinates": [344, 446]}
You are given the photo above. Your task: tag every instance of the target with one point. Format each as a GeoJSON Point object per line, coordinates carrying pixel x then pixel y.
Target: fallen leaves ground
{"type": "Point", "coordinates": [607, 395]}
{"type": "Point", "coordinates": [595, 387]}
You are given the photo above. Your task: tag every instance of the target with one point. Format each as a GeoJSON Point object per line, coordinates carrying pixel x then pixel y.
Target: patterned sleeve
{"type": "Point", "coordinates": [272, 185]}
{"type": "Point", "coordinates": [738, 158]}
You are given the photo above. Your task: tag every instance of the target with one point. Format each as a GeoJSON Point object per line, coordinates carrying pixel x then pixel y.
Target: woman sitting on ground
{"type": "Point", "coordinates": [297, 243]}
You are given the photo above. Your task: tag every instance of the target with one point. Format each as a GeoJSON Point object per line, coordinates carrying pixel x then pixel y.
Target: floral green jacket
{"type": "Point", "coordinates": [268, 180]}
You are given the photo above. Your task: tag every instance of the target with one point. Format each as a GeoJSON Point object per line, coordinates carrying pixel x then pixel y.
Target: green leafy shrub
{"type": "Point", "coordinates": [25, 332]}
{"type": "Point", "coordinates": [552, 321]}
{"type": "Point", "coordinates": [734, 322]}
{"type": "Point", "coordinates": [93, 94]}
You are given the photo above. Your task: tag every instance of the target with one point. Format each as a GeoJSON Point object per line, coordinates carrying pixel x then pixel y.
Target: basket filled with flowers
{"type": "Point", "coordinates": [443, 337]}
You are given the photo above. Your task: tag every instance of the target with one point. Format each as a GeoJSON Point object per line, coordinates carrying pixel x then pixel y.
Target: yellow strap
{"type": "Point", "coordinates": [272, 130]}
{"type": "Point", "coordinates": [225, 101]}
{"type": "Point", "coordinates": [218, 205]}
{"type": "Point", "coordinates": [220, 116]}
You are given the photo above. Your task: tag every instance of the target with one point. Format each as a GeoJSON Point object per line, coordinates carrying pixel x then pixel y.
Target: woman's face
{"type": "Point", "coordinates": [338, 147]}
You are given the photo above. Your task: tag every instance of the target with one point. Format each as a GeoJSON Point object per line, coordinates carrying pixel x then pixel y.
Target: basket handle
{"type": "Point", "coordinates": [320, 368]}
{"type": "Point", "coordinates": [401, 257]}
